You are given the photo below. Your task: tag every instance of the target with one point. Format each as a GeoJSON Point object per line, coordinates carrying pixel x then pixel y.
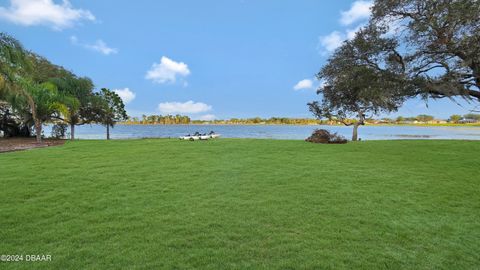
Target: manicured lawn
{"type": "Point", "coordinates": [243, 204]}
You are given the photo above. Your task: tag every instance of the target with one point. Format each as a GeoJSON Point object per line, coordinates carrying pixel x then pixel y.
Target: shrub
{"type": "Point", "coordinates": [324, 136]}
{"type": "Point", "coordinates": [59, 131]}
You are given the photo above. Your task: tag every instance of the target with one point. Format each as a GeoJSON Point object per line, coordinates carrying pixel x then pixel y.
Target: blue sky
{"type": "Point", "coordinates": [207, 59]}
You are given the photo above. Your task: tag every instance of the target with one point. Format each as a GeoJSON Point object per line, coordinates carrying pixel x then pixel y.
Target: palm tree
{"type": "Point", "coordinates": [77, 96]}
{"type": "Point", "coordinates": [47, 102]}
{"type": "Point", "coordinates": [13, 62]}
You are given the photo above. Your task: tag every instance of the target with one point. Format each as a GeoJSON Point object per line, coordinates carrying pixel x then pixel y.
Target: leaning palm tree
{"type": "Point", "coordinates": [14, 64]}
{"type": "Point", "coordinates": [47, 101]}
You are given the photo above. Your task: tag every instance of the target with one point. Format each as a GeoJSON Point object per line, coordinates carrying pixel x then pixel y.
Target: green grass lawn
{"type": "Point", "coordinates": [243, 204]}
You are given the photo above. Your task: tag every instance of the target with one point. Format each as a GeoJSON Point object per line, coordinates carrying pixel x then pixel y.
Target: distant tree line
{"type": "Point", "coordinates": [183, 120]}
{"type": "Point", "coordinates": [158, 119]}
{"type": "Point", "coordinates": [424, 118]}
{"type": "Point", "coordinates": [268, 121]}
{"type": "Point", "coordinates": [467, 118]}
{"type": "Point", "coordinates": [35, 92]}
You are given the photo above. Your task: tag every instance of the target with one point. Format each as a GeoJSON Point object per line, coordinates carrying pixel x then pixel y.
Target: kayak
{"type": "Point", "coordinates": [199, 137]}
{"type": "Point", "coordinates": [189, 138]}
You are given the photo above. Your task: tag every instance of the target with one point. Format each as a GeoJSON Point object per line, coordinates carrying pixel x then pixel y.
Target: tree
{"type": "Point", "coordinates": [424, 118]}
{"type": "Point", "coordinates": [24, 83]}
{"type": "Point", "coordinates": [13, 122]}
{"type": "Point", "coordinates": [47, 102]}
{"type": "Point", "coordinates": [112, 109]}
{"type": "Point", "coordinates": [43, 97]}
{"type": "Point", "coordinates": [455, 118]}
{"type": "Point", "coordinates": [14, 64]}
{"type": "Point", "coordinates": [472, 116]}
{"type": "Point", "coordinates": [78, 95]}
{"type": "Point", "coordinates": [27, 79]}
{"type": "Point", "coordinates": [437, 44]}
{"type": "Point", "coordinates": [354, 87]}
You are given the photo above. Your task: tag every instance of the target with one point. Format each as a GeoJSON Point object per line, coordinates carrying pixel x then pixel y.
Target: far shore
{"type": "Point", "coordinates": [307, 124]}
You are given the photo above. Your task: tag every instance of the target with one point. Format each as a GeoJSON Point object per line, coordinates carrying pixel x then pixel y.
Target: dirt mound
{"type": "Point", "coordinates": [16, 144]}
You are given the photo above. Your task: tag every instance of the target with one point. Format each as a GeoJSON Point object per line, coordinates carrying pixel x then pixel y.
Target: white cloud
{"type": "Point", "coordinates": [99, 46]}
{"type": "Point", "coordinates": [44, 12]}
{"type": "Point", "coordinates": [125, 94]}
{"type": "Point", "coordinates": [303, 84]}
{"type": "Point", "coordinates": [207, 117]}
{"type": "Point", "coordinates": [357, 14]}
{"type": "Point", "coordinates": [167, 71]}
{"type": "Point", "coordinates": [186, 107]}
{"type": "Point", "coordinates": [360, 10]}
{"type": "Point", "coordinates": [332, 41]}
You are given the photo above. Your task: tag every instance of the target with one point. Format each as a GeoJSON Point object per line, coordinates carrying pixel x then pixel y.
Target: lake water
{"type": "Point", "coordinates": [276, 131]}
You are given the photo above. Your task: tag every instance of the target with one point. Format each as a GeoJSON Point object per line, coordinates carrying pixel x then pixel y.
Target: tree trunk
{"type": "Point", "coordinates": [38, 130]}
{"type": "Point", "coordinates": [108, 132]}
{"type": "Point", "coordinates": [355, 132]}
{"type": "Point", "coordinates": [38, 123]}
{"type": "Point", "coordinates": [72, 132]}
{"type": "Point", "coordinates": [361, 121]}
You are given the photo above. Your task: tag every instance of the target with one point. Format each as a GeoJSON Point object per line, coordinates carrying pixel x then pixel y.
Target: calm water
{"type": "Point", "coordinates": [276, 131]}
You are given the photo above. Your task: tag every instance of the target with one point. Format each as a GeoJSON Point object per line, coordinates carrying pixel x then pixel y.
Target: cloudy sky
{"type": "Point", "coordinates": [206, 59]}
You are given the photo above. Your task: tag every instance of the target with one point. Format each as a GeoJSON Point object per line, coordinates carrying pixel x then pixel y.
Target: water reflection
{"type": "Point", "coordinates": [277, 131]}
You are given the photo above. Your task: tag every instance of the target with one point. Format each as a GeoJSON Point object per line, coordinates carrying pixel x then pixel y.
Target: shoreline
{"type": "Point", "coordinates": [320, 124]}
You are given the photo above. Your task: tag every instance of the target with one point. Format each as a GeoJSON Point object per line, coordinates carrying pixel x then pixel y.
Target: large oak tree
{"type": "Point", "coordinates": [356, 84]}
{"type": "Point", "coordinates": [437, 44]}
